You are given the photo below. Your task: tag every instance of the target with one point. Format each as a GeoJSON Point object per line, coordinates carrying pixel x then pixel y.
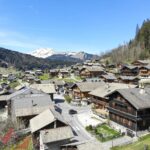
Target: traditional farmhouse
{"type": "Point", "coordinates": [88, 72]}
{"type": "Point", "coordinates": [144, 71]}
{"type": "Point", "coordinates": [81, 90]}
{"type": "Point", "coordinates": [26, 106]}
{"type": "Point", "coordinates": [46, 88]}
{"type": "Point", "coordinates": [128, 79]}
{"type": "Point", "coordinates": [54, 72]}
{"type": "Point", "coordinates": [99, 97]}
{"type": "Point", "coordinates": [129, 110]}
{"type": "Point", "coordinates": [141, 62]}
{"type": "Point", "coordinates": [50, 131]}
{"type": "Point", "coordinates": [109, 78]}
{"type": "Point", "coordinates": [129, 71]}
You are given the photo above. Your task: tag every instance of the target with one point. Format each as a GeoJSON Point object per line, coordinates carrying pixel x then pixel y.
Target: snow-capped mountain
{"type": "Point", "coordinates": [51, 54]}
{"type": "Point", "coordinates": [43, 52]}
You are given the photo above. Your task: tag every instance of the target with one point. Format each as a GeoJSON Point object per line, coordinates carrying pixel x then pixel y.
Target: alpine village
{"type": "Point", "coordinates": [77, 101]}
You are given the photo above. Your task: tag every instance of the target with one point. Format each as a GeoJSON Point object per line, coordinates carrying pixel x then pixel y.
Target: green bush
{"type": "Point", "coordinates": [89, 128]}
{"type": "Point", "coordinates": [68, 98]}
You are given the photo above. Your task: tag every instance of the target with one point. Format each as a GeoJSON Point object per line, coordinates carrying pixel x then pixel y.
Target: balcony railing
{"type": "Point", "coordinates": [122, 114]}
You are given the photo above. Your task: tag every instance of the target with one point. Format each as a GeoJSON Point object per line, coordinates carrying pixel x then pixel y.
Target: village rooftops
{"type": "Point", "coordinates": [106, 89]}
{"type": "Point", "coordinates": [30, 104]}
{"type": "Point", "coordinates": [53, 81]}
{"type": "Point", "coordinates": [45, 118]}
{"type": "Point", "coordinates": [109, 77]}
{"type": "Point", "coordinates": [54, 70]}
{"type": "Point", "coordinates": [137, 97]}
{"type": "Point", "coordinates": [128, 77]}
{"type": "Point", "coordinates": [23, 91]}
{"type": "Point", "coordinates": [143, 61]}
{"type": "Point", "coordinates": [88, 86]}
{"type": "Point", "coordinates": [56, 134]}
{"type": "Point", "coordinates": [146, 67]}
{"type": "Point", "coordinates": [131, 67]}
{"type": "Point", "coordinates": [94, 68]}
{"type": "Point", "coordinates": [46, 88]}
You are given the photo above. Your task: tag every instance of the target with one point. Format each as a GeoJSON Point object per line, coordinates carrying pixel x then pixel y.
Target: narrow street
{"type": "Point", "coordinates": [79, 130]}
{"type": "Point", "coordinates": [80, 133]}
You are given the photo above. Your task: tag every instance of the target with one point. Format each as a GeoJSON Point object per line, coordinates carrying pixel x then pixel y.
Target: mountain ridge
{"type": "Point", "coordinates": [51, 54]}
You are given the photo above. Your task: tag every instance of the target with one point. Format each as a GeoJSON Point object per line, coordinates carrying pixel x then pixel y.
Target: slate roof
{"type": "Point", "coordinates": [147, 67]}
{"type": "Point", "coordinates": [92, 145]}
{"type": "Point", "coordinates": [109, 77]}
{"type": "Point", "coordinates": [143, 61]}
{"type": "Point", "coordinates": [130, 67]}
{"type": "Point", "coordinates": [57, 134]}
{"type": "Point", "coordinates": [46, 88]}
{"type": "Point", "coordinates": [106, 89]}
{"type": "Point", "coordinates": [139, 98]}
{"type": "Point", "coordinates": [53, 81]}
{"type": "Point", "coordinates": [94, 68]}
{"type": "Point", "coordinates": [128, 77]}
{"type": "Point", "coordinates": [45, 118]}
{"type": "Point", "coordinates": [30, 104]}
{"type": "Point", "coordinates": [88, 86]}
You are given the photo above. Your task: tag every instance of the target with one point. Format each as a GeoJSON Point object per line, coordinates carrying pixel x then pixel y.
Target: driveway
{"type": "Point", "coordinates": [88, 118]}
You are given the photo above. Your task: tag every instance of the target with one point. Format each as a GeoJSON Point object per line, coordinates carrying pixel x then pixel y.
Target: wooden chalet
{"type": "Point", "coordinates": [63, 73]}
{"type": "Point", "coordinates": [141, 62]}
{"type": "Point", "coordinates": [128, 79]}
{"type": "Point", "coordinates": [109, 78]}
{"type": "Point", "coordinates": [49, 130]}
{"type": "Point", "coordinates": [129, 110]}
{"type": "Point", "coordinates": [99, 97]}
{"type": "Point", "coordinates": [54, 72]}
{"type": "Point", "coordinates": [144, 71]}
{"type": "Point", "coordinates": [129, 70]}
{"type": "Point", "coordinates": [81, 90]}
{"type": "Point", "coordinates": [93, 71]}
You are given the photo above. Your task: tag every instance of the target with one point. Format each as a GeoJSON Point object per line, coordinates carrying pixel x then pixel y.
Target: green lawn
{"type": "Point", "coordinates": [139, 145]}
{"type": "Point", "coordinates": [104, 132]}
{"type": "Point", "coordinates": [68, 98]}
{"type": "Point", "coordinates": [45, 76]}
{"type": "Point", "coordinates": [14, 84]}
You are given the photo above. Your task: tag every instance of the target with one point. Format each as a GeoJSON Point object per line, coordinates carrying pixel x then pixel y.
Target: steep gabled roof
{"type": "Point", "coordinates": [88, 86]}
{"type": "Point", "coordinates": [46, 88]}
{"type": "Point", "coordinates": [139, 98]}
{"type": "Point", "coordinates": [45, 118]}
{"type": "Point", "coordinates": [106, 89]}
{"type": "Point", "coordinates": [56, 134]}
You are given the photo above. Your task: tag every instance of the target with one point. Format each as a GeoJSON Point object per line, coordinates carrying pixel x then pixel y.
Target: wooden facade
{"type": "Point", "coordinates": [129, 71]}
{"type": "Point", "coordinates": [144, 71]}
{"type": "Point", "coordinates": [77, 93]}
{"type": "Point", "coordinates": [123, 113]}
{"type": "Point", "coordinates": [140, 62]}
{"type": "Point", "coordinates": [85, 73]}
{"type": "Point", "coordinates": [128, 80]}
{"type": "Point", "coordinates": [100, 106]}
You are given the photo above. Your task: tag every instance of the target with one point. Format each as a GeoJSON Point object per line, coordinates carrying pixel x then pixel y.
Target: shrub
{"type": "Point", "coordinates": [68, 98]}
{"type": "Point", "coordinates": [89, 128]}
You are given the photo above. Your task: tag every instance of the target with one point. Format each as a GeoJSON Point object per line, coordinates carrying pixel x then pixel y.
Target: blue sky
{"type": "Point", "coordinates": [93, 26]}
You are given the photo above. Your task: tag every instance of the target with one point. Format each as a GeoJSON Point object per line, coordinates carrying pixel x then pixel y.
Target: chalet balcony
{"type": "Point", "coordinates": [99, 102]}
{"type": "Point", "coordinates": [122, 114]}
{"type": "Point", "coordinates": [122, 109]}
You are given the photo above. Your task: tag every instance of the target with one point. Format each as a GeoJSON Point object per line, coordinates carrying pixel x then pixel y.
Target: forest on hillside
{"type": "Point", "coordinates": [137, 48]}
{"type": "Point", "coordinates": [24, 61]}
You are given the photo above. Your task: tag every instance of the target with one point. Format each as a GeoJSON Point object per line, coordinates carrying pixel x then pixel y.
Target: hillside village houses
{"type": "Point", "coordinates": [120, 99]}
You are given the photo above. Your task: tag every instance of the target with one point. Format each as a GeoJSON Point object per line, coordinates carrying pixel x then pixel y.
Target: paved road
{"type": "Point", "coordinates": [80, 133]}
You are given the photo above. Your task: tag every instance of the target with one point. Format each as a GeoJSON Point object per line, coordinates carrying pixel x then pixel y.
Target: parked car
{"type": "Point", "coordinates": [72, 111]}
